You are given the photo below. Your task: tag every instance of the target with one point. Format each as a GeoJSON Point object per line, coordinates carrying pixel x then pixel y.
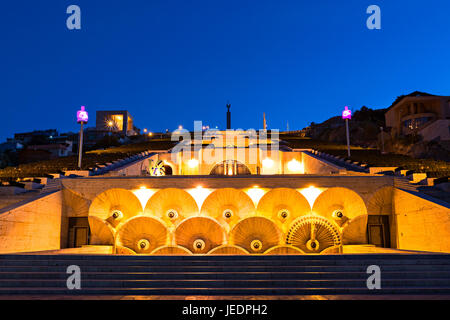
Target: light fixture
{"type": "Point", "coordinates": [295, 166]}
{"type": "Point", "coordinates": [193, 163]}
{"type": "Point", "coordinates": [311, 193]}
{"type": "Point", "coordinates": [199, 245]}
{"type": "Point", "coordinates": [267, 163]}
{"type": "Point", "coordinates": [227, 213]}
{"type": "Point", "coordinates": [117, 215]}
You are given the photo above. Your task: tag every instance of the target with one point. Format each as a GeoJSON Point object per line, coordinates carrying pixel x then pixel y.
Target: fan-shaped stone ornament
{"type": "Point", "coordinates": [381, 202]}
{"type": "Point", "coordinates": [228, 206]}
{"type": "Point", "coordinates": [332, 250]}
{"type": "Point", "coordinates": [339, 205]}
{"type": "Point", "coordinates": [355, 231]}
{"type": "Point", "coordinates": [115, 206]}
{"type": "Point", "coordinates": [75, 205]}
{"type": "Point", "coordinates": [124, 251]}
{"type": "Point", "coordinates": [171, 250]}
{"type": "Point", "coordinates": [172, 206]}
{"type": "Point", "coordinates": [228, 249]}
{"type": "Point", "coordinates": [283, 205]}
{"type": "Point", "coordinates": [255, 234]}
{"type": "Point", "coordinates": [200, 234]}
{"type": "Point", "coordinates": [284, 250]}
{"type": "Point", "coordinates": [102, 232]}
{"type": "Point", "coordinates": [313, 234]}
{"type": "Point", "coordinates": [142, 234]}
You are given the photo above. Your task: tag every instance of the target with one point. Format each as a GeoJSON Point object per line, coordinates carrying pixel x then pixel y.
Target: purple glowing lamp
{"type": "Point", "coordinates": [82, 115]}
{"type": "Point", "coordinates": [346, 114]}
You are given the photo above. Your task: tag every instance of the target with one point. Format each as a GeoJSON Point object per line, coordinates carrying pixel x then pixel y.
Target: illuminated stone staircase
{"type": "Point", "coordinates": [401, 274]}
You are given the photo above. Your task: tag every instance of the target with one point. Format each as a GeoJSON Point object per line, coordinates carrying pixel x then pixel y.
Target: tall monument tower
{"type": "Point", "coordinates": [228, 116]}
{"type": "Point", "coordinates": [265, 123]}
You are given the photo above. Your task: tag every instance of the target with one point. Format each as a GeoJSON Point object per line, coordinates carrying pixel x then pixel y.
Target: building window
{"type": "Point", "coordinates": [415, 123]}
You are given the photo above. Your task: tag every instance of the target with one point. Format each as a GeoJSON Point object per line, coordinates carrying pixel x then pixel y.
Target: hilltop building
{"type": "Point", "coordinates": [116, 122]}
{"type": "Point", "coordinates": [420, 113]}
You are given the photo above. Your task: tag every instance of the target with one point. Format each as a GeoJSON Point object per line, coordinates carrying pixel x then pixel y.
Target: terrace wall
{"type": "Point", "coordinates": [364, 185]}
{"type": "Point", "coordinates": [421, 224]}
{"type": "Point", "coordinates": [32, 225]}
{"type": "Point", "coordinates": [132, 169]}
{"type": "Point", "coordinates": [315, 165]}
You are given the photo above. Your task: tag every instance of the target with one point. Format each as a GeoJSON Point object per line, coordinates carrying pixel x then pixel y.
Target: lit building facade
{"type": "Point", "coordinates": [420, 113]}
{"type": "Point", "coordinates": [115, 121]}
{"type": "Point", "coordinates": [170, 203]}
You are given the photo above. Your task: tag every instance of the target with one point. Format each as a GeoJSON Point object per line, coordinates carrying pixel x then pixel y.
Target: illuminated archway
{"type": "Point", "coordinates": [172, 205]}
{"type": "Point", "coordinates": [283, 205]}
{"type": "Point", "coordinates": [380, 203]}
{"type": "Point", "coordinates": [171, 250]}
{"type": "Point", "coordinates": [228, 206]}
{"type": "Point", "coordinates": [199, 234]}
{"type": "Point", "coordinates": [230, 168]}
{"type": "Point", "coordinates": [228, 250]}
{"type": "Point", "coordinates": [142, 234]}
{"type": "Point", "coordinates": [102, 233]}
{"type": "Point", "coordinates": [284, 250]}
{"type": "Point", "coordinates": [339, 205]}
{"type": "Point", "coordinates": [115, 206]}
{"type": "Point", "coordinates": [256, 234]}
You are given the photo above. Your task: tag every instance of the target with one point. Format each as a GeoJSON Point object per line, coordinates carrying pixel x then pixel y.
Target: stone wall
{"type": "Point", "coordinates": [315, 165]}
{"type": "Point", "coordinates": [32, 226]}
{"type": "Point", "coordinates": [364, 185]}
{"type": "Point", "coordinates": [132, 169]}
{"type": "Point", "coordinates": [421, 224]}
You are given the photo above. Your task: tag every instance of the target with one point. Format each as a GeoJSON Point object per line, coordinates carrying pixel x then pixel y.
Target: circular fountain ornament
{"type": "Point", "coordinates": [337, 215]}
{"type": "Point", "coordinates": [172, 214]}
{"type": "Point", "coordinates": [199, 234]}
{"type": "Point", "coordinates": [227, 213]}
{"type": "Point", "coordinates": [256, 245]}
{"type": "Point", "coordinates": [283, 214]}
{"type": "Point", "coordinates": [143, 244]}
{"type": "Point", "coordinates": [199, 245]}
{"type": "Point", "coordinates": [117, 215]}
{"type": "Point", "coordinates": [313, 234]}
{"type": "Point", "coordinates": [256, 234]}
{"type": "Point", "coordinates": [142, 234]}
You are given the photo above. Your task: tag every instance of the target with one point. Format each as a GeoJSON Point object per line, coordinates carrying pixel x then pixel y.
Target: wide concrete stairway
{"type": "Point", "coordinates": [419, 274]}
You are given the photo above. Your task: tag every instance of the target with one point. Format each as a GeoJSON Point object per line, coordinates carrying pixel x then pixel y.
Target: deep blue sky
{"type": "Point", "coordinates": [172, 62]}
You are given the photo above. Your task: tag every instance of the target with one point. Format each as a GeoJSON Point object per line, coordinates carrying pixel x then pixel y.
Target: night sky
{"type": "Point", "coordinates": [172, 62]}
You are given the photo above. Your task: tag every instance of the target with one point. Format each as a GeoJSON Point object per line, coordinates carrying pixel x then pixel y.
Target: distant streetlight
{"type": "Point", "coordinates": [82, 118]}
{"type": "Point", "coordinates": [145, 130]}
{"type": "Point", "coordinates": [347, 115]}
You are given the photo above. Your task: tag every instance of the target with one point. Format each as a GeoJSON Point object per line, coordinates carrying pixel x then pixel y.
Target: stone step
{"type": "Point", "coordinates": [226, 269]}
{"type": "Point", "coordinates": [309, 257]}
{"type": "Point", "coordinates": [226, 291]}
{"type": "Point", "coordinates": [225, 263]}
{"type": "Point", "coordinates": [293, 284]}
{"type": "Point", "coordinates": [223, 275]}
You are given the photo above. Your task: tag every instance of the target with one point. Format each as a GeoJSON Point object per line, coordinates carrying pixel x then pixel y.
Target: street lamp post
{"type": "Point", "coordinates": [347, 115]}
{"type": "Point", "coordinates": [82, 118]}
{"type": "Point", "coordinates": [382, 140]}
